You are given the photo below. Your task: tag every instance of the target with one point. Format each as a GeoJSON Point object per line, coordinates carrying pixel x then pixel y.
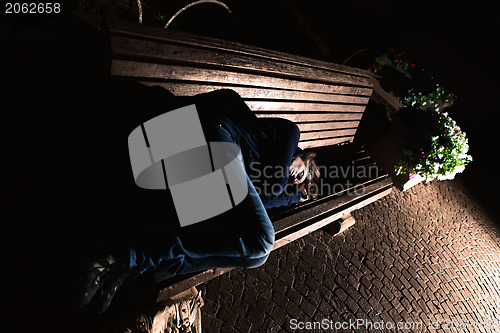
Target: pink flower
{"type": "Point", "coordinates": [412, 175]}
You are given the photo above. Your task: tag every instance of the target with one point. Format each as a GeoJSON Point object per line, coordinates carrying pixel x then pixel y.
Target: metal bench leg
{"type": "Point", "coordinates": [341, 225]}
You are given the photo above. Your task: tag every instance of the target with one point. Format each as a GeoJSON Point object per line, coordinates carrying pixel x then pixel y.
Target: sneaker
{"type": "Point", "coordinates": [102, 280]}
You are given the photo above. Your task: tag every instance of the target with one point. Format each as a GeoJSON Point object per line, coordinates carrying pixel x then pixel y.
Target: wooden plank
{"type": "Point", "coordinates": [314, 117]}
{"type": "Point", "coordinates": [346, 94]}
{"type": "Point", "coordinates": [346, 222]}
{"type": "Point", "coordinates": [196, 56]}
{"type": "Point", "coordinates": [386, 97]}
{"type": "Point", "coordinates": [130, 68]}
{"type": "Point", "coordinates": [301, 106]}
{"type": "Point", "coordinates": [328, 126]}
{"type": "Point", "coordinates": [325, 142]}
{"type": "Point", "coordinates": [158, 34]}
{"type": "Point", "coordinates": [170, 291]}
{"type": "Point", "coordinates": [326, 134]}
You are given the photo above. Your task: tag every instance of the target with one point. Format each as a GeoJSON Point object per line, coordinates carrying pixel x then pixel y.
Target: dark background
{"type": "Point", "coordinates": [54, 83]}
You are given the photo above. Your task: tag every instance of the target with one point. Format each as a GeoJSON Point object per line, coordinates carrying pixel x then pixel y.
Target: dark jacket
{"type": "Point", "coordinates": [268, 145]}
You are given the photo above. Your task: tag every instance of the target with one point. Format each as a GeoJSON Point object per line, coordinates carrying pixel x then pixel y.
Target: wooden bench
{"type": "Point", "coordinates": [325, 100]}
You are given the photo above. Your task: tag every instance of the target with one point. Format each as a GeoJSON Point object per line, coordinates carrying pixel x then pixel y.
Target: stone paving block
{"type": "Point", "coordinates": [293, 310]}
{"type": "Point", "coordinates": [406, 304]}
{"type": "Point", "coordinates": [270, 326]}
{"type": "Point", "coordinates": [375, 291]}
{"type": "Point", "coordinates": [387, 293]}
{"type": "Point", "coordinates": [307, 307]}
{"type": "Point", "coordinates": [242, 324]}
{"type": "Point", "coordinates": [279, 315]}
{"type": "Point", "coordinates": [280, 300]}
{"type": "Point", "coordinates": [264, 304]}
{"type": "Point", "coordinates": [385, 303]}
{"type": "Point", "coordinates": [294, 296]}
{"type": "Point", "coordinates": [375, 304]}
{"type": "Point", "coordinates": [211, 323]}
{"type": "Point", "coordinates": [397, 305]}
{"type": "Point", "coordinates": [250, 296]}
{"type": "Point", "coordinates": [314, 298]}
{"type": "Point", "coordinates": [312, 283]}
{"type": "Point", "coordinates": [285, 277]}
{"type": "Point", "coordinates": [226, 315]}
{"type": "Point", "coordinates": [256, 316]}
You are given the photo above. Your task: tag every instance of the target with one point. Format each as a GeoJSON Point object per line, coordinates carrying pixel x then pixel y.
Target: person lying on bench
{"type": "Point", "coordinates": [240, 237]}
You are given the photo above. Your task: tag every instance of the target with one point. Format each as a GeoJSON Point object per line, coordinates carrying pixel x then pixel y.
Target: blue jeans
{"type": "Point", "coordinates": [240, 237]}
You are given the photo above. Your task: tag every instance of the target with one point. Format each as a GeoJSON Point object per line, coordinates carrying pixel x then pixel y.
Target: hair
{"type": "Point", "coordinates": [313, 174]}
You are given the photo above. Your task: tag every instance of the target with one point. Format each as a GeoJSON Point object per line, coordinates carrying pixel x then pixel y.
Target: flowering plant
{"type": "Point", "coordinates": [411, 83]}
{"type": "Point", "coordinates": [433, 147]}
{"type": "Point", "coordinates": [437, 99]}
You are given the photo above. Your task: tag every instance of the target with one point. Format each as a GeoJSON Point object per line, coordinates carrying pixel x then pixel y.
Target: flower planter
{"type": "Point", "coordinates": [384, 151]}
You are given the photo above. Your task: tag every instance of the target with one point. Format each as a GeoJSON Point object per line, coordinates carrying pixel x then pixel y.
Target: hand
{"type": "Point", "coordinates": [303, 195]}
{"type": "Point", "coordinates": [298, 170]}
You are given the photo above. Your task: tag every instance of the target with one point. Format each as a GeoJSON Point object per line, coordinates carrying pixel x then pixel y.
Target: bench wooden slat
{"type": "Point", "coordinates": [340, 131]}
{"type": "Point", "coordinates": [305, 136]}
{"type": "Point", "coordinates": [140, 70]}
{"type": "Point", "coordinates": [314, 117]}
{"type": "Point", "coordinates": [301, 106]}
{"type": "Point", "coordinates": [203, 57]}
{"type": "Point", "coordinates": [186, 88]}
{"type": "Point", "coordinates": [325, 142]}
{"type": "Point", "coordinates": [304, 127]}
{"type": "Point", "coordinates": [158, 34]}
{"type": "Point", "coordinates": [189, 281]}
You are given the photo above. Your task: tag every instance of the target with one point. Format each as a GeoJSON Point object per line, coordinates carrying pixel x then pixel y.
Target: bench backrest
{"type": "Point", "coordinates": [325, 100]}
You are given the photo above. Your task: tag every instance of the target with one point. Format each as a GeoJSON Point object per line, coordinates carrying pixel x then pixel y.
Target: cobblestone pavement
{"type": "Point", "coordinates": [429, 256]}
